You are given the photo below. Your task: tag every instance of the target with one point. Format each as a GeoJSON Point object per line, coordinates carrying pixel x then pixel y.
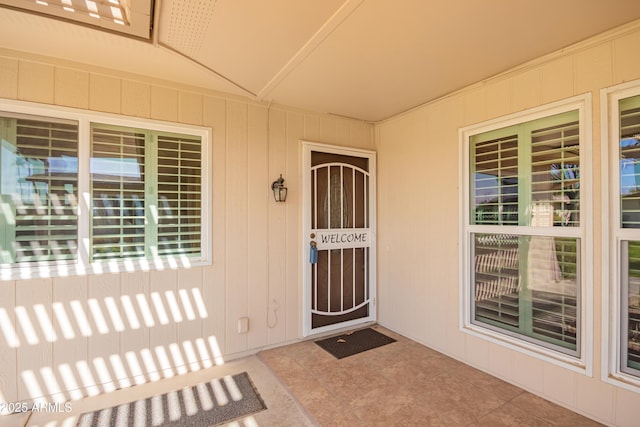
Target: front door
{"type": "Point", "coordinates": [338, 237]}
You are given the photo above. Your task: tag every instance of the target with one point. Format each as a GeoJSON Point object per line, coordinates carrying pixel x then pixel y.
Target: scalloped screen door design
{"type": "Point", "coordinates": [339, 223]}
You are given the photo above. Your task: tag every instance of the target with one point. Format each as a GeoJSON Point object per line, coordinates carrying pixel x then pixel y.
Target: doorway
{"type": "Point", "coordinates": [338, 245]}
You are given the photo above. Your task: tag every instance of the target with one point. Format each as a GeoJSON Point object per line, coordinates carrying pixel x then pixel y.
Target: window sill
{"type": "Point", "coordinates": [578, 365]}
{"type": "Point", "coordinates": [622, 380]}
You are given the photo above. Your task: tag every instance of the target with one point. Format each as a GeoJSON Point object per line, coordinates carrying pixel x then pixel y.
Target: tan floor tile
{"type": "Point", "coordinates": [501, 389]}
{"type": "Point", "coordinates": [406, 384]}
{"type": "Point", "coordinates": [332, 412]}
{"type": "Point", "coordinates": [287, 369]}
{"type": "Point", "coordinates": [510, 415]}
{"type": "Point", "coordinates": [553, 414]}
{"type": "Point", "coordinates": [310, 391]}
{"type": "Point", "coordinates": [462, 394]}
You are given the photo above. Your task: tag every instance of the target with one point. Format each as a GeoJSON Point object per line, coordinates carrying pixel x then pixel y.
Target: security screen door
{"type": "Point", "coordinates": [338, 247]}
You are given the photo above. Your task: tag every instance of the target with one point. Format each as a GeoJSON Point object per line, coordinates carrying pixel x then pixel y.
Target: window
{"type": "Point", "coordinates": [524, 230]}
{"type": "Point", "coordinates": [624, 140]}
{"type": "Point", "coordinates": [39, 189]}
{"type": "Point", "coordinates": [145, 191]}
{"type": "Point", "coordinates": [629, 199]}
{"type": "Point", "coordinates": [138, 183]}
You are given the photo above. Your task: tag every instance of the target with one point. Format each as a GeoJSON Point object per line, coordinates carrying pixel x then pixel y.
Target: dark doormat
{"type": "Point", "coordinates": [351, 343]}
{"type": "Point", "coordinates": [208, 404]}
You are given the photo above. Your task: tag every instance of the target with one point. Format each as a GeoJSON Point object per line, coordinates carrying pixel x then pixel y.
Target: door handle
{"type": "Point", "coordinates": [313, 252]}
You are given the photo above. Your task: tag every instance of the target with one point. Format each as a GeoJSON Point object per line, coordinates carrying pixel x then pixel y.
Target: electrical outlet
{"type": "Point", "coordinates": [243, 325]}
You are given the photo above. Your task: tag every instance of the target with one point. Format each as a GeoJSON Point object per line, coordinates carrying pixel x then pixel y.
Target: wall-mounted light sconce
{"type": "Point", "coordinates": [279, 190]}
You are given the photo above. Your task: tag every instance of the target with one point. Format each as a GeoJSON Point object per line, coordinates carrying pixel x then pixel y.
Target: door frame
{"type": "Point", "coordinates": [307, 148]}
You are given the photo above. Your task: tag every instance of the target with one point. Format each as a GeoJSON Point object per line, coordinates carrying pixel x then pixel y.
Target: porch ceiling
{"type": "Point", "coordinates": [367, 59]}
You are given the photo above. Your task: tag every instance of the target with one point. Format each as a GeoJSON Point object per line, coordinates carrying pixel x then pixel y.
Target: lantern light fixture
{"type": "Point", "coordinates": [279, 190]}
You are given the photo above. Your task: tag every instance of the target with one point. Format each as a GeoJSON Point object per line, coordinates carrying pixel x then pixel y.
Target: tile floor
{"type": "Point", "coordinates": [406, 384]}
{"type": "Point", "coordinates": [400, 384]}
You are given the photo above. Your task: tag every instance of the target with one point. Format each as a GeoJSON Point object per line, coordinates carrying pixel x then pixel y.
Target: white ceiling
{"type": "Point", "coordinates": [367, 59]}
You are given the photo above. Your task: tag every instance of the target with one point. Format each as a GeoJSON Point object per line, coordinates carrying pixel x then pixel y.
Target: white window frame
{"type": "Point", "coordinates": [83, 265]}
{"type": "Point", "coordinates": [612, 236]}
{"type": "Point", "coordinates": [582, 363]}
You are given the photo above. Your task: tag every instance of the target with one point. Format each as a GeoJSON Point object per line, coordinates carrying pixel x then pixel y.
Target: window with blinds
{"type": "Point", "coordinates": [629, 223]}
{"type": "Point", "coordinates": [631, 311]}
{"type": "Point", "coordinates": [179, 188]}
{"type": "Point", "coordinates": [630, 162]}
{"type": "Point", "coordinates": [118, 192]}
{"type": "Point", "coordinates": [526, 284]}
{"type": "Point", "coordinates": [495, 181]}
{"type": "Point", "coordinates": [555, 171]}
{"type": "Point", "coordinates": [146, 193]}
{"type": "Point", "coordinates": [131, 190]}
{"type": "Point", "coordinates": [38, 189]}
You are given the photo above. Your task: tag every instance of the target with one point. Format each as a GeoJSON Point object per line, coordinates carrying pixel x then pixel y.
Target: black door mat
{"type": "Point", "coordinates": [207, 404]}
{"type": "Point", "coordinates": [351, 343]}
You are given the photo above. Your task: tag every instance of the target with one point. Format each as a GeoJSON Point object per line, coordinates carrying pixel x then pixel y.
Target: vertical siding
{"type": "Point", "coordinates": [74, 343]}
{"type": "Point", "coordinates": [277, 288]}
{"type": "Point", "coordinates": [259, 196]}
{"type": "Point", "coordinates": [104, 93]}
{"type": "Point", "coordinates": [11, 342]}
{"type": "Point", "coordinates": [136, 99]}
{"type": "Point", "coordinates": [214, 277]}
{"type": "Point", "coordinates": [33, 309]}
{"type": "Point", "coordinates": [104, 340]}
{"type": "Point", "coordinates": [71, 88]}
{"type": "Point", "coordinates": [164, 103]}
{"type": "Point", "coordinates": [188, 287]}
{"type": "Point", "coordinates": [36, 82]}
{"type": "Point", "coordinates": [163, 335]}
{"type": "Point", "coordinates": [93, 334]}
{"type": "Point", "coordinates": [190, 108]}
{"type": "Point", "coordinates": [291, 305]}
{"type": "Point", "coordinates": [419, 271]}
{"type": "Point", "coordinates": [135, 336]}
{"type": "Point", "coordinates": [9, 78]}
{"type": "Point", "coordinates": [237, 221]}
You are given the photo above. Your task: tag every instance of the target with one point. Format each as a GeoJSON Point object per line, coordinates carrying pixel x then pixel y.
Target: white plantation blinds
{"type": "Point", "coordinates": [533, 164]}
{"type": "Point", "coordinates": [524, 284]}
{"type": "Point", "coordinates": [179, 188]}
{"type": "Point", "coordinates": [630, 162]}
{"type": "Point", "coordinates": [555, 171]}
{"type": "Point", "coordinates": [527, 285]}
{"type": "Point", "coordinates": [38, 189]}
{"type": "Point", "coordinates": [629, 193]}
{"type": "Point", "coordinates": [146, 193]}
{"type": "Point", "coordinates": [117, 193]}
{"type": "Point", "coordinates": [496, 181]}
{"type": "Point", "coordinates": [82, 192]}
{"type": "Point", "coordinates": [631, 310]}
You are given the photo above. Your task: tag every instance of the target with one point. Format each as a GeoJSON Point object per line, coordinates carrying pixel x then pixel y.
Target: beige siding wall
{"type": "Point", "coordinates": [418, 227]}
{"type": "Point", "coordinates": [256, 262]}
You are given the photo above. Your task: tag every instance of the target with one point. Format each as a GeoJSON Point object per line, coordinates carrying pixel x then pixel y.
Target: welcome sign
{"type": "Point", "coordinates": [343, 238]}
